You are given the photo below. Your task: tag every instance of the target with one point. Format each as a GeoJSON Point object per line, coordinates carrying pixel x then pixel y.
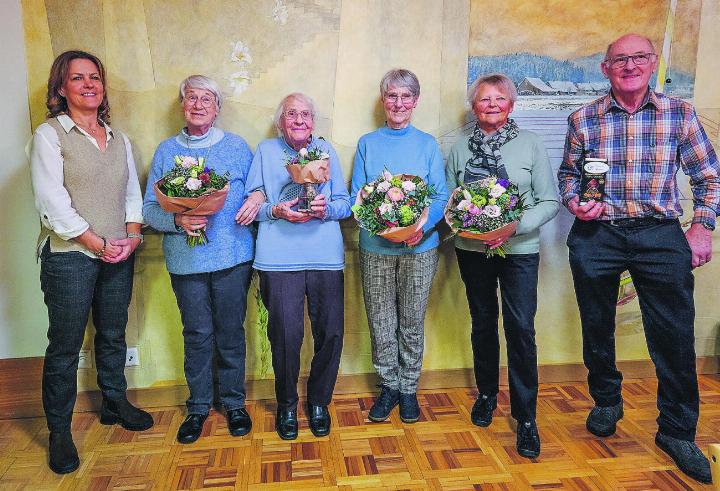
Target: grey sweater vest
{"type": "Point", "coordinates": [96, 182]}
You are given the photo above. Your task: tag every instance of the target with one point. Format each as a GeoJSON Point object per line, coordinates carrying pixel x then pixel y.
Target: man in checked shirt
{"type": "Point", "coordinates": [645, 137]}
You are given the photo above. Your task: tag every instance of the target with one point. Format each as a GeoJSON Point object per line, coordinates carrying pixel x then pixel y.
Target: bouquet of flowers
{"type": "Point", "coordinates": [393, 206]}
{"type": "Point", "coordinates": [190, 188]}
{"type": "Point", "coordinates": [309, 168]}
{"type": "Point", "coordinates": [485, 210]}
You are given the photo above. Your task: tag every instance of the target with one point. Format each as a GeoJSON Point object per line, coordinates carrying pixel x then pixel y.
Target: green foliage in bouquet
{"type": "Point", "coordinates": [191, 179]}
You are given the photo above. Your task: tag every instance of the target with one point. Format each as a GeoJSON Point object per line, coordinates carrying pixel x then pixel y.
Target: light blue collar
{"type": "Point", "coordinates": [209, 139]}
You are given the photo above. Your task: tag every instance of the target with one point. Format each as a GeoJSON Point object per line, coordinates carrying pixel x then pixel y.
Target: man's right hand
{"type": "Point", "coordinates": [589, 211]}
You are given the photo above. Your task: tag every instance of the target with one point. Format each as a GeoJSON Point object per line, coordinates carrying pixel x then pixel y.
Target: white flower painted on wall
{"type": "Point", "coordinates": [240, 54]}
{"type": "Point", "coordinates": [239, 81]}
{"type": "Point", "coordinates": [280, 12]}
{"type": "Point", "coordinates": [241, 58]}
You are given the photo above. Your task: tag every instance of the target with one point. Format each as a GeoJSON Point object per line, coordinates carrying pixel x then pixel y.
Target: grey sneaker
{"type": "Point", "coordinates": [482, 410]}
{"type": "Point", "coordinates": [602, 421]}
{"type": "Point", "coordinates": [687, 456]}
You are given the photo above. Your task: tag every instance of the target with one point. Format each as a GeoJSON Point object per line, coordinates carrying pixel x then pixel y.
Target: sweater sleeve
{"type": "Point", "coordinates": [542, 192]}
{"type": "Point", "coordinates": [359, 177]}
{"type": "Point", "coordinates": [256, 182]}
{"type": "Point", "coordinates": [338, 206]}
{"type": "Point", "coordinates": [436, 179]}
{"type": "Point", "coordinates": [155, 216]}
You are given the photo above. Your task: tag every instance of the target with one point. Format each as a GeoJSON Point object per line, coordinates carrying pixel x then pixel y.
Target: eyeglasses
{"type": "Point", "coordinates": [487, 101]}
{"type": "Point", "coordinates": [621, 61]}
{"type": "Point", "coordinates": [404, 98]}
{"type": "Point", "coordinates": [205, 101]}
{"type": "Point", "coordinates": [292, 114]}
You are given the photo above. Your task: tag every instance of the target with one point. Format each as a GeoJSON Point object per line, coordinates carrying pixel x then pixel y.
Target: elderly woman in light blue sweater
{"type": "Point", "coordinates": [300, 255]}
{"type": "Point", "coordinates": [210, 281]}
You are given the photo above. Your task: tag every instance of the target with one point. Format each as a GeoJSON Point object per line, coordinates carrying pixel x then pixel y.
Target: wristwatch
{"type": "Point", "coordinates": [707, 226]}
{"type": "Point", "coordinates": [133, 235]}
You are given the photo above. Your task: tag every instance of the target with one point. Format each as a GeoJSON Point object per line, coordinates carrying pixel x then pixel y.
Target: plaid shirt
{"type": "Point", "coordinates": [644, 151]}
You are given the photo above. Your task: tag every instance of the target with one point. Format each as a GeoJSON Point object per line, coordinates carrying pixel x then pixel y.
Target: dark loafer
{"type": "Point", "coordinates": [239, 422]}
{"type": "Point", "coordinates": [121, 412]}
{"type": "Point", "coordinates": [191, 428]}
{"type": "Point", "coordinates": [63, 454]}
{"type": "Point", "coordinates": [687, 456]}
{"type": "Point", "coordinates": [482, 410]}
{"type": "Point", "coordinates": [384, 404]}
{"type": "Point", "coordinates": [319, 419]}
{"type": "Point", "coordinates": [528, 439]}
{"type": "Point", "coordinates": [286, 424]}
{"type": "Point", "coordinates": [602, 420]}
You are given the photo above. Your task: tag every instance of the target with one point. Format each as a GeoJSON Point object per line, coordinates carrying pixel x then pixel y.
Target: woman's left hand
{"type": "Point", "coordinates": [318, 206]}
{"type": "Point", "coordinates": [250, 208]}
{"type": "Point", "coordinates": [495, 243]}
{"type": "Point", "coordinates": [127, 246]}
{"type": "Point", "coordinates": [415, 239]}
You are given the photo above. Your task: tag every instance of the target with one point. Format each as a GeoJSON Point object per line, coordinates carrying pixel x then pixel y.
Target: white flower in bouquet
{"type": "Point", "coordinates": [303, 152]}
{"type": "Point", "coordinates": [497, 191]}
{"type": "Point", "coordinates": [492, 211]}
{"type": "Point", "coordinates": [385, 208]}
{"type": "Point", "coordinates": [408, 186]}
{"type": "Point", "coordinates": [366, 190]}
{"type": "Point", "coordinates": [384, 186]}
{"type": "Point", "coordinates": [466, 194]}
{"type": "Point", "coordinates": [464, 205]}
{"type": "Point", "coordinates": [188, 162]}
{"type": "Point", "coordinates": [193, 184]}
{"type": "Point", "coordinates": [387, 176]}
{"type": "Point", "coordinates": [324, 156]}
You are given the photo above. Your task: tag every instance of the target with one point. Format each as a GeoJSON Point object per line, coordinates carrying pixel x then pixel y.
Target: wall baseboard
{"type": "Point", "coordinates": [21, 380]}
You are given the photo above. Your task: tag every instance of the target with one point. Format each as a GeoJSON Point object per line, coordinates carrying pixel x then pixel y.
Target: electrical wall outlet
{"type": "Point", "coordinates": [132, 358]}
{"type": "Point", "coordinates": [85, 359]}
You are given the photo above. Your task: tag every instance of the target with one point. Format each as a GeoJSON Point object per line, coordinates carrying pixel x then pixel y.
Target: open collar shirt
{"type": "Point", "coordinates": [644, 150]}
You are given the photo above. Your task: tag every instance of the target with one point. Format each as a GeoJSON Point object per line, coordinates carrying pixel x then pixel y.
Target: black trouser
{"type": "Point", "coordinates": [284, 293]}
{"type": "Point", "coordinates": [73, 283]}
{"type": "Point", "coordinates": [517, 275]}
{"type": "Point", "coordinates": [659, 259]}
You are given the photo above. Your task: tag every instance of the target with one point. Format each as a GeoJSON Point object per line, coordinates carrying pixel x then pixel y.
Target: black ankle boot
{"type": "Point", "coordinates": [63, 454]}
{"type": "Point", "coordinates": [120, 411]}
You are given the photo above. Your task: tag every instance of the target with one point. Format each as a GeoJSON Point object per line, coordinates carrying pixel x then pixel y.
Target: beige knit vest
{"type": "Point", "coordinates": [96, 182]}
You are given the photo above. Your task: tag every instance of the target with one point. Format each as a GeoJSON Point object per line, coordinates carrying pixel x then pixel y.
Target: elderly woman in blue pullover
{"type": "Point", "coordinates": [300, 255]}
{"type": "Point", "coordinates": [397, 276]}
{"type": "Point", "coordinates": [210, 281]}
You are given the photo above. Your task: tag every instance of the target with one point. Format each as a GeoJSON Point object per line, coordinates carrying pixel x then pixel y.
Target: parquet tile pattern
{"type": "Point", "coordinates": [443, 450]}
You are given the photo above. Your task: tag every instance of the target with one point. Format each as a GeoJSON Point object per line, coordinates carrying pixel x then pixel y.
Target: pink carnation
{"type": "Point", "coordinates": [395, 194]}
{"type": "Point", "coordinates": [473, 209]}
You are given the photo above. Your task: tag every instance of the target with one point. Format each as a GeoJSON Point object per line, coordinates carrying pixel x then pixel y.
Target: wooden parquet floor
{"type": "Point", "coordinates": [441, 451]}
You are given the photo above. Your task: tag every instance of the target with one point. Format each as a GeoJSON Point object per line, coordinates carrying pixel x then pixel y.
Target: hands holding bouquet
{"type": "Point", "coordinates": [394, 207]}
{"type": "Point", "coordinates": [192, 191]}
{"type": "Point", "coordinates": [487, 210]}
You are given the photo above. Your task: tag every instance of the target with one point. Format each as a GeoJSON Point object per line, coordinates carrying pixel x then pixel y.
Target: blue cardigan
{"type": "Point", "coordinates": [404, 151]}
{"type": "Point", "coordinates": [287, 246]}
{"type": "Point", "coordinates": [229, 243]}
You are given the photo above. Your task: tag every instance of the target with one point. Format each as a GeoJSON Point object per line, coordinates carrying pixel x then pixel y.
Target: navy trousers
{"type": "Point", "coordinates": [212, 307]}
{"type": "Point", "coordinates": [284, 293]}
{"type": "Point", "coordinates": [517, 275]}
{"type": "Point", "coordinates": [657, 255]}
{"type": "Point", "coordinates": [73, 284]}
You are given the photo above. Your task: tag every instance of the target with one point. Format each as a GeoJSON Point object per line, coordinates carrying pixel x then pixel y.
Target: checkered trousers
{"type": "Point", "coordinates": [396, 291]}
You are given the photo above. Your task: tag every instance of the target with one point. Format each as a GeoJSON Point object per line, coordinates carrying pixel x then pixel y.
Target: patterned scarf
{"type": "Point", "coordinates": [486, 159]}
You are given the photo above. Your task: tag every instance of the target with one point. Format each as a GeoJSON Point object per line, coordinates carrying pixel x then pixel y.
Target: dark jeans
{"type": "Point", "coordinates": [659, 260]}
{"type": "Point", "coordinates": [517, 275]}
{"type": "Point", "coordinates": [73, 284]}
{"type": "Point", "coordinates": [283, 293]}
{"type": "Point", "coordinates": [212, 307]}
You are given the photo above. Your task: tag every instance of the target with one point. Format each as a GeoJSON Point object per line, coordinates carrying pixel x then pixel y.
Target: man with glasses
{"type": "Point", "coordinates": [645, 137]}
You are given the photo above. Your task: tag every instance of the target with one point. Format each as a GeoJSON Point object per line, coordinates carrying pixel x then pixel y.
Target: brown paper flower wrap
{"type": "Point", "coordinates": [314, 172]}
{"type": "Point", "coordinates": [490, 235]}
{"type": "Point", "coordinates": [205, 205]}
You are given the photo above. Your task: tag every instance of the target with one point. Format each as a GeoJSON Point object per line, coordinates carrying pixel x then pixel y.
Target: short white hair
{"type": "Point", "coordinates": [204, 83]}
{"type": "Point", "coordinates": [400, 77]}
{"type": "Point", "coordinates": [498, 80]}
{"type": "Point", "coordinates": [281, 108]}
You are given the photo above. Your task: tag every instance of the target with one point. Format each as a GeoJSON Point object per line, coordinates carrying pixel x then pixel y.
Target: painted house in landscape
{"type": "Point", "coordinates": [535, 86]}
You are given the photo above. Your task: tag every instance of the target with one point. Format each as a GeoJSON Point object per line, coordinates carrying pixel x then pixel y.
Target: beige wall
{"type": "Point", "coordinates": [336, 52]}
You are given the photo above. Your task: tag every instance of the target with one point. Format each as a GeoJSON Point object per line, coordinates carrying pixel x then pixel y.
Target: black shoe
{"type": "Point", "coordinates": [482, 410]}
{"type": "Point", "coordinates": [63, 454]}
{"type": "Point", "coordinates": [409, 408]}
{"type": "Point", "coordinates": [191, 428]}
{"type": "Point", "coordinates": [528, 439]}
{"type": "Point", "coordinates": [602, 420]}
{"type": "Point", "coordinates": [687, 456]}
{"type": "Point", "coordinates": [239, 422]}
{"type": "Point", "coordinates": [386, 401]}
{"type": "Point", "coordinates": [121, 412]}
{"type": "Point", "coordinates": [286, 424]}
{"type": "Point", "coordinates": [319, 419]}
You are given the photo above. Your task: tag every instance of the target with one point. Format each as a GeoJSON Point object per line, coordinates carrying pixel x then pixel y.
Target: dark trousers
{"type": "Point", "coordinates": [212, 307]}
{"type": "Point", "coordinates": [73, 284]}
{"type": "Point", "coordinates": [284, 293]}
{"type": "Point", "coordinates": [659, 260]}
{"type": "Point", "coordinates": [517, 275]}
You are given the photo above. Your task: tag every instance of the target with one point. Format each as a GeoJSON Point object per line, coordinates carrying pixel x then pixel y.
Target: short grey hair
{"type": "Point", "coordinates": [204, 83]}
{"type": "Point", "coordinates": [400, 77]}
{"type": "Point", "coordinates": [497, 80]}
{"type": "Point", "coordinates": [281, 108]}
